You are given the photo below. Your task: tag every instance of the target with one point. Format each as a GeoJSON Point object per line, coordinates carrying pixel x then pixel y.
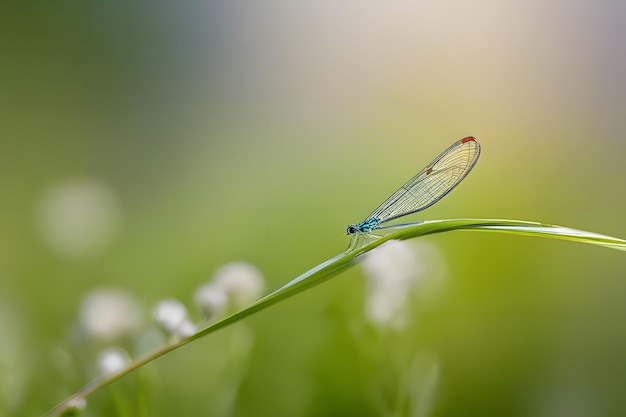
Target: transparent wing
{"type": "Point", "coordinates": [432, 183]}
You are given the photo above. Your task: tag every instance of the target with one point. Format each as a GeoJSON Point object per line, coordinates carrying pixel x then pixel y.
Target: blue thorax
{"type": "Point", "coordinates": [367, 225]}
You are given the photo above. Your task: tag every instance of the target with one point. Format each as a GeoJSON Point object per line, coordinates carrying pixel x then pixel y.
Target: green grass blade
{"type": "Point", "coordinates": [340, 263]}
{"type": "Point", "coordinates": [520, 227]}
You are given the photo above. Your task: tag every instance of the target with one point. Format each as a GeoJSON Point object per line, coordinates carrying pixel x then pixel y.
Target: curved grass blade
{"type": "Point", "coordinates": [340, 263]}
{"type": "Point", "coordinates": [520, 227]}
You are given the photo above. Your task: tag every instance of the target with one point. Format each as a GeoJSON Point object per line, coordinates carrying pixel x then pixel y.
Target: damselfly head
{"type": "Point", "coordinates": [351, 230]}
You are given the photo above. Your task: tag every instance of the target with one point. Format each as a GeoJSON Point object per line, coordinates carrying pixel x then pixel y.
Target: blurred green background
{"type": "Point", "coordinates": [208, 132]}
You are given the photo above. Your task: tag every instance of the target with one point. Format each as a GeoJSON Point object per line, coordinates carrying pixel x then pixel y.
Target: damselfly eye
{"type": "Point", "coordinates": [351, 230]}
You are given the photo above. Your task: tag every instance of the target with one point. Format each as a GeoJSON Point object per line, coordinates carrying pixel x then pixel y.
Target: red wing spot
{"type": "Point", "coordinates": [468, 139]}
{"type": "Point", "coordinates": [429, 170]}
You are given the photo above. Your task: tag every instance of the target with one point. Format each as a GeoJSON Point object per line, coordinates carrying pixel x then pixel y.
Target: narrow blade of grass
{"type": "Point", "coordinates": [520, 227]}
{"type": "Point", "coordinates": [332, 267]}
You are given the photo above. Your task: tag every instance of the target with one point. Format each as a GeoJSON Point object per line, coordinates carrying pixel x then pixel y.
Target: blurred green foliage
{"type": "Point", "coordinates": [226, 132]}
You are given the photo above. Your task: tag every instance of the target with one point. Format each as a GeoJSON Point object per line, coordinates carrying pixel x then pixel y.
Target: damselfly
{"type": "Point", "coordinates": [422, 191]}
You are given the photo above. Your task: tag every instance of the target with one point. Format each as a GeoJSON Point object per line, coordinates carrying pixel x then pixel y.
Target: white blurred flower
{"type": "Point", "coordinates": [390, 270]}
{"type": "Point", "coordinates": [211, 299]}
{"type": "Point", "coordinates": [77, 404]}
{"type": "Point", "coordinates": [112, 360]}
{"type": "Point", "coordinates": [170, 314]}
{"type": "Point", "coordinates": [393, 271]}
{"type": "Point", "coordinates": [185, 329]}
{"type": "Point", "coordinates": [242, 281]}
{"type": "Point", "coordinates": [78, 219]}
{"type": "Point", "coordinates": [108, 315]}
